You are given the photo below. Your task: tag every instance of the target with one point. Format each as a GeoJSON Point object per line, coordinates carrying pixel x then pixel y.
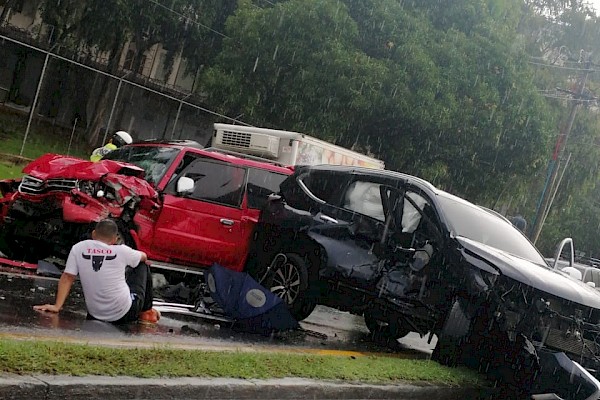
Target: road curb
{"type": "Point", "coordinates": [49, 387]}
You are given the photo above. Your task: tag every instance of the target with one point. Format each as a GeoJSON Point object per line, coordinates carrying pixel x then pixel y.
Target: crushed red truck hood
{"type": "Point", "coordinates": [51, 166]}
{"type": "Point", "coordinates": [126, 179]}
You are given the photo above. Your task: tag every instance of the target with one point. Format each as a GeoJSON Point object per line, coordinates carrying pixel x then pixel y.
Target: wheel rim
{"type": "Point", "coordinates": [286, 282]}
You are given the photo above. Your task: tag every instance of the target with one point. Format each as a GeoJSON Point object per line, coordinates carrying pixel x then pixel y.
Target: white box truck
{"type": "Point", "coordinates": [287, 148]}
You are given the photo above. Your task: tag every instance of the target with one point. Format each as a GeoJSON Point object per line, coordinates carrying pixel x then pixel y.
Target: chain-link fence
{"type": "Point", "coordinates": [84, 103]}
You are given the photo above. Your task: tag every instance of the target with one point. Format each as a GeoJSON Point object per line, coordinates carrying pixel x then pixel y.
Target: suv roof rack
{"type": "Point", "coordinates": [246, 156]}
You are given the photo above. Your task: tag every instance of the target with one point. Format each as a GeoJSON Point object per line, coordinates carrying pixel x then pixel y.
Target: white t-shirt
{"type": "Point", "coordinates": [101, 269]}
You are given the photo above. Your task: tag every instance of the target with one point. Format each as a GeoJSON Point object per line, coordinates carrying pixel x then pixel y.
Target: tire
{"type": "Point", "coordinates": [455, 332]}
{"type": "Point", "coordinates": [479, 343]}
{"type": "Point", "coordinates": [384, 331]}
{"type": "Point", "coordinates": [289, 280]}
{"type": "Point", "coordinates": [514, 362]}
{"type": "Point", "coordinates": [13, 250]}
{"type": "Point", "coordinates": [19, 251]}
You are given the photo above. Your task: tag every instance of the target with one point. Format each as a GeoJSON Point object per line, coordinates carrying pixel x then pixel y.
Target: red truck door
{"type": "Point", "coordinates": [207, 224]}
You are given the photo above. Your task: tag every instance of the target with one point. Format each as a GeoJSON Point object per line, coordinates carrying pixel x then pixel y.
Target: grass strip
{"type": "Point", "coordinates": [43, 137]}
{"type": "Point", "coordinates": [48, 357]}
{"type": "Point", "coordinates": [10, 170]}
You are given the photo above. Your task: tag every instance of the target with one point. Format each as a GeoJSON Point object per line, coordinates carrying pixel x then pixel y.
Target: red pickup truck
{"type": "Point", "coordinates": [185, 206]}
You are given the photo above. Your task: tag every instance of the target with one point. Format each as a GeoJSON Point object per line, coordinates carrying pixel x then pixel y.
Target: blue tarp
{"type": "Point", "coordinates": [253, 307]}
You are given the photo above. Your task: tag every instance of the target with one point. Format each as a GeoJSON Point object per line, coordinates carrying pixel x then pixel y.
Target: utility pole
{"type": "Point", "coordinates": [551, 184]}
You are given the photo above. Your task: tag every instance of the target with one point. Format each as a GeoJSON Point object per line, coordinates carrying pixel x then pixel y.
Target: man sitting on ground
{"type": "Point", "coordinates": [109, 294]}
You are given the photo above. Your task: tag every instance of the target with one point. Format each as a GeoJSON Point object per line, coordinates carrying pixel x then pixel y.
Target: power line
{"type": "Point", "coordinates": [188, 18]}
{"type": "Point", "coordinates": [562, 67]}
{"type": "Point", "coordinates": [569, 98]}
{"type": "Point", "coordinates": [196, 22]}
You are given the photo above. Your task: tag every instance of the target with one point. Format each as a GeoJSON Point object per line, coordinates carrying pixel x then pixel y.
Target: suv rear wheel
{"type": "Point", "coordinates": [456, 330]}
{"type": "Point", "coordinates": [288, 278]}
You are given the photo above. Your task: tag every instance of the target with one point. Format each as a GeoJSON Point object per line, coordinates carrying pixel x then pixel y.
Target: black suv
{"type": "Point", "coordinates": [410, 257]}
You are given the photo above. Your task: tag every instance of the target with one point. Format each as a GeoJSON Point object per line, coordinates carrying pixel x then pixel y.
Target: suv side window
{"type": "Point", "coordinates": [411, 215]}
{"type": "Point", "coordinates": [325, 185]}
{"type": "Point", "coordinates": [217, 182]}
{"type": "Point", "coordinates": [365, 198]}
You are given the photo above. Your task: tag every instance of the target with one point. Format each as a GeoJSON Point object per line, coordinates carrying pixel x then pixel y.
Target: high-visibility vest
{"type": "Point", "coordinates": [102, 151]}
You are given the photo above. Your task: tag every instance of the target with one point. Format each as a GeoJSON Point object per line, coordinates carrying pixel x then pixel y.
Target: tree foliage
{"type": "Point", "coordinates": [562, 35]}
{"type": "Point", "coordinates": [106, 26]}
{"type": "Point", "coordinates": [450, 102]}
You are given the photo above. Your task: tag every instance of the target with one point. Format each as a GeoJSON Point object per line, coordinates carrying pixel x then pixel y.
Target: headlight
{"type": "Point", "coordinates": [88, 187]}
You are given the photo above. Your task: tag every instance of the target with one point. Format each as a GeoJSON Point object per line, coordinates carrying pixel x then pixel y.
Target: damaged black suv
{"type": "Point", "coordinates": [412, 258]}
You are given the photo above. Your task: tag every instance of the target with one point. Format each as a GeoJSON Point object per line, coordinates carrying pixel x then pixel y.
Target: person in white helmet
{"type": "Point", "coordinates": [117, 140]}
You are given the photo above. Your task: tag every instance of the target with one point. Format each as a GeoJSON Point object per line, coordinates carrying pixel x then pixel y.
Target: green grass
{"type": "Point", "coordinates": [29, 357]}
{"type": "Point", "coordinates": [9, 170]}
{"type": "Point", "coordinates": [39, 144]}
{"type": "Point", "coordinates": [43, 137]}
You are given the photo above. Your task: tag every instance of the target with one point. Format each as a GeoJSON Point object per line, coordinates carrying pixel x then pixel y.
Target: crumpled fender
{"type": "Point", "coordinates": [83, 208]}
{"type": "Point", "coordinates": [8, 190]}
{"type": "Point", "coordinates": [127, 188]}
{"type": "Point", "coordinates": [564, 377]}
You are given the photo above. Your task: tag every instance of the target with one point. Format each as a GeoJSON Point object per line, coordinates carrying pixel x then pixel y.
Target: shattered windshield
{"type": "Point", "coordinates": [472, 222]}
{"type": "Point", "coordinates": [154, 160]}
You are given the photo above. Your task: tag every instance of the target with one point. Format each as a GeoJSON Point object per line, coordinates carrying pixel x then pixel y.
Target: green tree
{"type": "Point", "coordinates": [456, 106]}
{"type": "Point", "coordinates": [561, 34]}
{"type": "Point", "coordinates": [474, 121]}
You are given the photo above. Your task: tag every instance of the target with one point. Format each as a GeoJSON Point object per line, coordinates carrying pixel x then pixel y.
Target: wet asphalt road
{"type": "Point", "coordinates": [20, 290]}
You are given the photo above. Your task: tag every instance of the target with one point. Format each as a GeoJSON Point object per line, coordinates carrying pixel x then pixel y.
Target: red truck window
{"type": "Point", "coordinates": [217, 182]}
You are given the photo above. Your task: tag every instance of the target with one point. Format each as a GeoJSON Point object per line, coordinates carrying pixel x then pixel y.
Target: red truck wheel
{"type": "Point", "coordinates": [12, 249]}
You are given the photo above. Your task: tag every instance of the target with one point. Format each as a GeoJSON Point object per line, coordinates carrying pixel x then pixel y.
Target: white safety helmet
{"type": "Point", "coordinates": [121, 138]}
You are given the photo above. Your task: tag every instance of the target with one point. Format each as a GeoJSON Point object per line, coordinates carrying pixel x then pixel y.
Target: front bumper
{"type": "Point", "coordinates": [74, 206]}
